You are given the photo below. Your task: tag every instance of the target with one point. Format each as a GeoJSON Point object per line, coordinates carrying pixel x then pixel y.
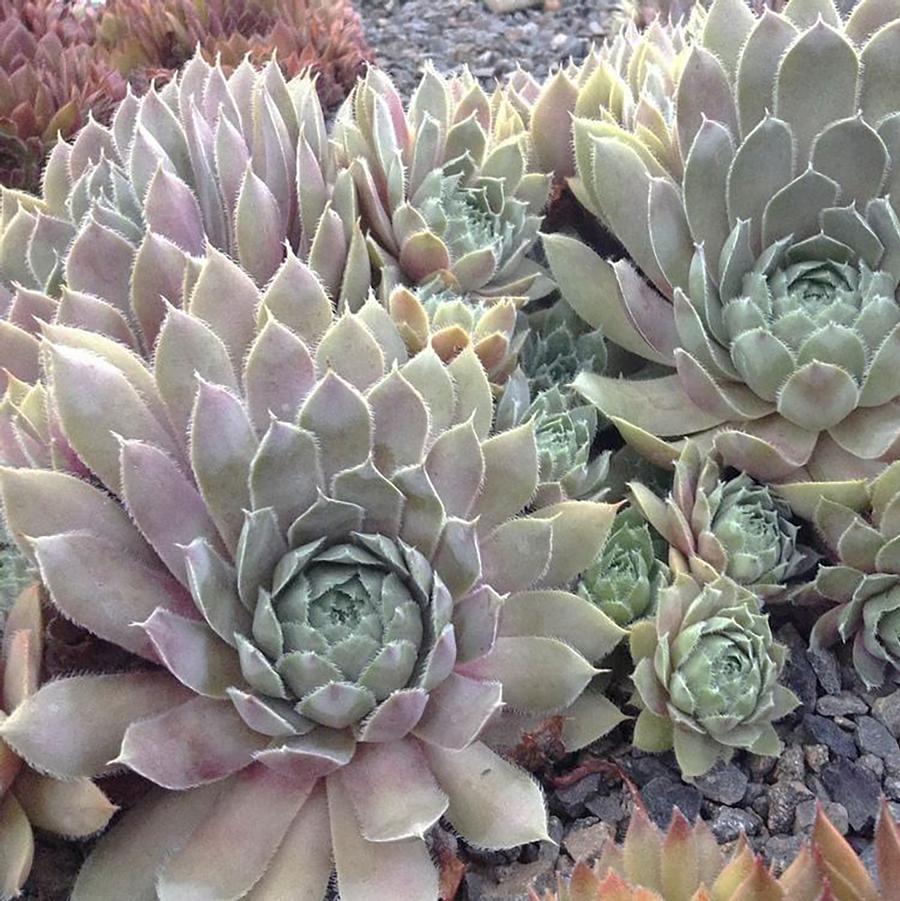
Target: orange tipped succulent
{"type": "Point", "coordinates": [159, 36]}
{"type": "Point", "coordinates": [686, 864]}
{"type": "Point", "coordinates": [51, 78]}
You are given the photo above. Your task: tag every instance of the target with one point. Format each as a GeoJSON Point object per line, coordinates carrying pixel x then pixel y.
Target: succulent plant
{"type": "Point", "coordinates": [706, 675]}
{"type": "Point", "coordinates": [51, 80]}
{"type": "Point", "coordinates": [160, 36]}
{"type": "Point", "coordinates": [437, 317]}
{"type": "Point", "coordinates": [445, 186]}
{"type": "Point", "coordinates": [28, 798]}
{"type": "Point", "coordinates": [626, 579]}
{"type": "Point", "coordinates": [315, 536]}
{"type": "Point", "coordinates": [240, 163]}
{"type": "Point", "coordinates": [717, 525]}
{"type": "Point", "coordinates": [773, 296]}
{"type": "Point", "coordinates": [863, 585]}
{"type": "Point", "coordinates": [558, 347]}
{"type": "Point", "coordinates": [629, 81]}
{"type": "Point", "coordinates": [686, 864]}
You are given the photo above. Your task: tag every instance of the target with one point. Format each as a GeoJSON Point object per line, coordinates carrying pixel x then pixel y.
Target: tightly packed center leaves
{"type": "Point", "coordinates": [344, 627]}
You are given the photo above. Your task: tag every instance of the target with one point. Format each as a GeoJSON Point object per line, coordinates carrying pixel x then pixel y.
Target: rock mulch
{"type": "Point", "coordinates": [406, 33]}
{"type": "Point", "coordinates": [841, 750]}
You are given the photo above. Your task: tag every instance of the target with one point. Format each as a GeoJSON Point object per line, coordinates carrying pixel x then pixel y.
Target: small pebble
{"type": "Point", "coordinates": [843, 704]}
{"type": "Point", "coordinates": [816, 756]}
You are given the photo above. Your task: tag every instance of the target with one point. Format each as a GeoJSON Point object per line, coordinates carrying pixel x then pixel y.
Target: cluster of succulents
{"type": "Point", "coordinates": [160, 36]}
{"type": "Point", "coordinates": [686, 864]}
{"type": "Point", "coordinates": [51, 81]}
{"type": "Point", "coordinates": [63, 62]}
{"type": "Point", "coordinates": [367, 479]}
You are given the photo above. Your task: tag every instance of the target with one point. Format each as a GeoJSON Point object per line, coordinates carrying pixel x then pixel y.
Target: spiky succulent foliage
{"type": "Point", "coordinates": [160, 36]}
{"type": "Point", "coordinates": [446, 186]}
{"type": "Point", "coordinates": [629, 81]}
{"type": "Point", "coordinates": [51, 79]}
{"type": "Point", "coordinates": [315, 536]}
{"type": "Point", "coordinates": [558, 347]}
{"type": "Point", "coordinates": [720, 525]}
{"type": "Point", "coordinates": [706, 675]}
{"type": "Point", "coordinates": [240, 163]}
{"type": "Point", "coordinates": [434, 316]}
{"type": "Point", "coordinates": [864, 583]}
{"type": "Point", "coordinates": [28, 799]}
{"type": "Point", "coordinates": [772, 255]}
{"type": "Point", "coordinates": [627, 577]}
{"type": "Point", "coordinates": [686, 864]}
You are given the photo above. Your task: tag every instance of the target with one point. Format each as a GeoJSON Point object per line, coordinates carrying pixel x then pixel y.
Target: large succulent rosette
{"type": "Point", "coordinates": [446, 187]}
{"type": "Point", "coordinates": [863, 584]}
{"type": "Point", "coordinates": [307, 539]}
{"type": "Point", "coordinates": [771, 259]}
{"type": "Point", "coordinates": [30, 799]}
{"type": "Point", "coordinates": [238, 163]}
{"type": "Point", "coordinates": [719, 525]}
{"type": "Point", "coordinates": [706, 675]}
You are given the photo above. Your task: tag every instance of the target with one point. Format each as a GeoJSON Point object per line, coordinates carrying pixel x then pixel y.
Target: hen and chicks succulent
{"type": "Point", "coordinates": [294, 416]}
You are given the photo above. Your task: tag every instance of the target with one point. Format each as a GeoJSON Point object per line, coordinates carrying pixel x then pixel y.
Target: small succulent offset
{"type": "Point", "coordinates": [157, 37]}
{"type": "Point", "coordinates": [445, 186]}
{"type": "Point", "coordinates": [772, 255]}
{"type": "Point", "coordinates": [626, 579]}
{"type": "Point", "coordinates": [71, 808]}
{"type": "Point", "coordinates": [706, 675]}
{"type": "Point", "coordinates": [315, 535]}
{"type": "Point", "coordinates": [687, 864]}
{"type": "Point", "coordinates": [558, 347]}
{"type": "Point", "coordinates": [717, 525]}
{"type": "Point", "coordinates": [864, 583]}
{"type": "Point", "coordinates": [564, 433]}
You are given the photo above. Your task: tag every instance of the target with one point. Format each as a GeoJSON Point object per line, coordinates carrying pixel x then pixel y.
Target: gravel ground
{"type": "Point", "coordinates": [406, 33]}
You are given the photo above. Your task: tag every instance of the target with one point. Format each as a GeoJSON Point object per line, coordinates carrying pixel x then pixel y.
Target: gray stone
{"type": "Point", "coordinates": [816, 756]}
{"type": "Point", "coordinates": [643, 769]}
{"type": "Point", "coordinates": [843, 704]}
{"type": "Point", "coordinates": [662, 795]}
{"type": "Point", "coordinates": [760, 767]}
{"type": "Point", "coordinates": [825, 666]}
{"type": "Point", "coordinates": [875, 765]}
{"type": "Point", "coordinates": [805, 816]}
{"type": "Point", "coordinates": [508, 6]}
{"type": "Point", "coordinates": [824, 731]}
{"type": "Point", "coordinates": [570, 800]}
{"type": "Point", "coordinates": [783, 799]}
{"type": "Point", "coordinates": [873, 737]}
{"type": "Point", "coordinates": [725, 783]}
{"type": "Point", "coordinates": [887, 709]}
{"type": "Point", "coordinates": [516, 880]}
{"type": "Point", "coordinates": [587, 842]}
{"type": "Point", "coordinates": [780, 851]}
{"type": "Point", "coordinates": [607, 808]}
{"type": "Point", "coordinates": [791, 765]}
{"type": "Point", "coordinates": [798, 675]}
{"type": "Point", "coordinates": [856, 788]}
{"type": "Point", "coordinates": [730, 822]}
{"type": "Point", "coordinates": [892, 788]}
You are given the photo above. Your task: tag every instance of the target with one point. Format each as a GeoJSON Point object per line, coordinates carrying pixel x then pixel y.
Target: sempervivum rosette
{"type": "Point", "coordinates": [863, 584]}
{"type": "Point", "coordinates": [706, 675]}
{"type": "Point", "coordinates": [446, 186]}
{"type": "Point", "coordinates": [308, 538]}
{"type": "Point", "coordinates": [239, 163]}
{"type": "Point", "coordinates": [716, 525]}
{"type": "Point", "coordinates": [772, 258]}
